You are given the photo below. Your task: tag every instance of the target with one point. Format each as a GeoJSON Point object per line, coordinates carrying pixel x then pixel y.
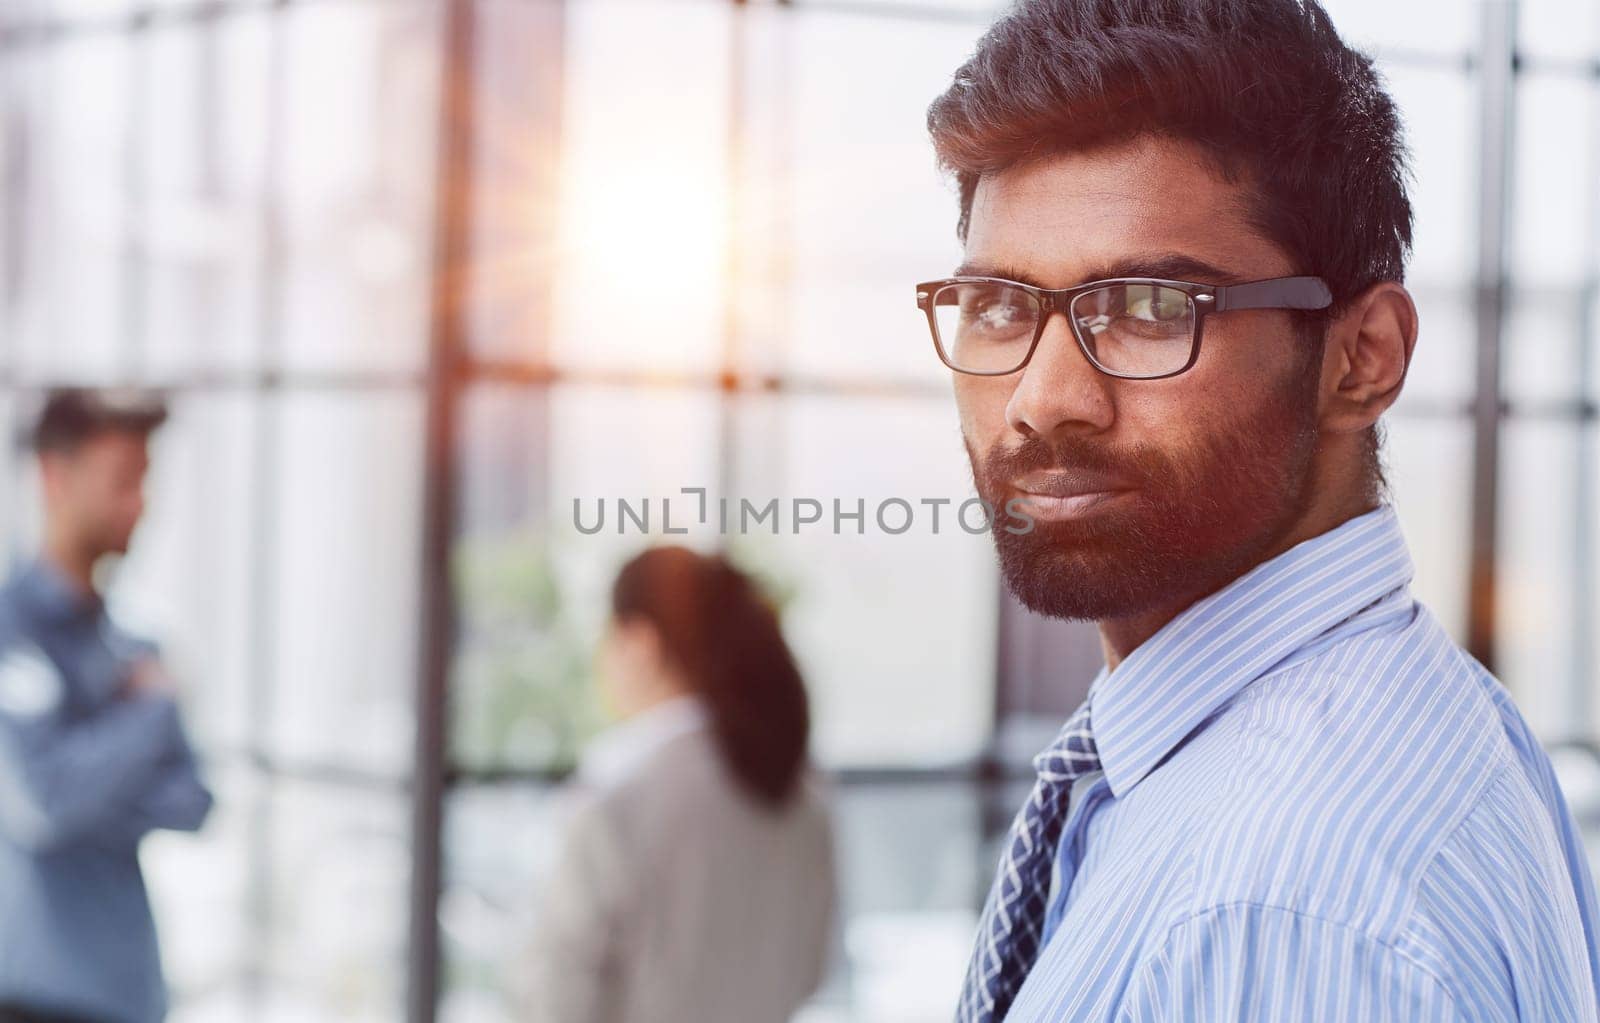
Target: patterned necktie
{"type": "Point", "coordinates": [1013, 916]}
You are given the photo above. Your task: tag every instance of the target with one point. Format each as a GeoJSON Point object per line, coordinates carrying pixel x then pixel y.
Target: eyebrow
{"type": "Point", "coordinates": [1170, 265]}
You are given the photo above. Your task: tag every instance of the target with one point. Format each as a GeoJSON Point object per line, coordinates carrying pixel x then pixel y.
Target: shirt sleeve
{"type": "Point", "coordinates": [573, 963]}
{"type": "Point", "coordinates": [63, 779]}
{"type": "Point", "coordinates": [175, 798]}
{"type": "Point", "coordinates": [1247, 962]}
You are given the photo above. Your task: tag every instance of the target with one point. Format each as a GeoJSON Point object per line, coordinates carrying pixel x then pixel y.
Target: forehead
{"type": "Point", "coordinates": [1062, 219]}
{"type": "Point", "coordinates": [119, 447]}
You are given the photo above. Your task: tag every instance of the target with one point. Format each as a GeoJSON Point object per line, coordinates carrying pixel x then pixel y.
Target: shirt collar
{"type": "Point", "coordinates": [54, 595]}
{"type": "Point", "coordinates": [617, 752]}
{"type": "Point", "coordinates": [1221, 643]}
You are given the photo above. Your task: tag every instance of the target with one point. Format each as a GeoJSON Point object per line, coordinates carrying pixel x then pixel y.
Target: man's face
{"type": "Point", "coordinates": [97, 490]}
{"type": "Point", "coordinates": [1152, 492]}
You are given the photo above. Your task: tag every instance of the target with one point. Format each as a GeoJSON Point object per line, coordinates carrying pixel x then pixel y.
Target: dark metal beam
{"type": "Point", "coordinates": [1496, 83]}
{"type": "Point", "coordinates": [980, 770]}
{"type": "Point", "coordinates": [437, 605]}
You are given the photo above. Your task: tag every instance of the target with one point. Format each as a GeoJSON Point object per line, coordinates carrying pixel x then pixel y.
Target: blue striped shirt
{"type": "Point", "coordinates": [1315, 806]}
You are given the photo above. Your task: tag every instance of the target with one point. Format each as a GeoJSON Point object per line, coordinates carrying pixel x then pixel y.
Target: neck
{"type": "Point", "coordinates": [653, 694]}
{"type": "Point", "coordinates": [1119, 637]}
{"type": "Point", "coordinates": [71, 559]}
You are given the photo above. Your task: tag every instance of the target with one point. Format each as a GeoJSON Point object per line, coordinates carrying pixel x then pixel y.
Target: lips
{"type": "Point", "coordinates": [1060, 495]}
{"type": "Point", "coordinates": [1064, 484]}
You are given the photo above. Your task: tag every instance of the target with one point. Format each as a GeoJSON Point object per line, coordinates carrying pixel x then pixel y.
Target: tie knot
{"type": "Point", "coordinates": [1073, 753]}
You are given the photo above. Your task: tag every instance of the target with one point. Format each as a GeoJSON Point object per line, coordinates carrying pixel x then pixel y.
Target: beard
{"type": "Point", "coordinates": [1191, 523]}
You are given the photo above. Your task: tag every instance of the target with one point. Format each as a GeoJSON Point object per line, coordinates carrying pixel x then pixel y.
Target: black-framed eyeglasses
{"type": "Point", "coordinates": [1136, 328]}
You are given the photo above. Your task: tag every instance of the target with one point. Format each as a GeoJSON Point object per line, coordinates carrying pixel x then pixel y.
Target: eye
{"type": "Point", "coordinates": [998, 315]}
{"type": "Point", "coordinates": [995, 312]}
{"type": "Point", "coordinates": [1156, 305]}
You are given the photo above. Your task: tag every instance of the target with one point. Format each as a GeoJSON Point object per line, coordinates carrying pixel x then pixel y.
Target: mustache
{"type": "Point", "coordinates": [1001, 465]}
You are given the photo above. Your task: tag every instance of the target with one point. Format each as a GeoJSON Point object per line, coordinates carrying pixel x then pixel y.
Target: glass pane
{"type": "Point", "coordinates": [200, 890]}
{"type": "Point", "coordinates": [1553, 179]}
{"type": "Point", "coordinates": [505, 456]}
{"type": "Point", "coordinates": [67, 11]}
{"type": "Point", "coordinates": [869, 214]}
{"type": "Point", "coordinates": [320, 935]}
{"type": "Point", "coordinates": [189, 580]}
{"type": "Point", "coordinates": [1536, 629]}
{"type": "Point", "coordinates": [1591, 349]}
{"type": "Point", "coordinates": [1433, 27]}
{"type": "Point", "coordinates": [641, 267]}
{"type": "Point", "coordinates": [499, 843]}
{"type": "Point", "coordinates": [911, 865]}
{"type": "Point", "coordinates": [885, 613]}
{"type": "Point", "coordinates": [1543, 341]}
{"type": "Point", "coordinates": [1438, 112]}
{"type": "Point", "coordinates": [345, 518]}
{"type": "Point", "coordinates": [21, 106]}
{"type": "Point", "coordinates": [357, 165]}
{"type": "Point", "coordinates": [199, 238]}
{"type": "Point", "coordinates": [979, 11]}
{"type": "Point", "coordinates": [1587, 606]}
{"type": "Point", "coordinates": [340, 870]}
{"type": "Point", "coordinates": [517, 167]}
{"type": "Point", "coordinates": [521, 685]}
{"type": "Point", "coordinates": [534, 588]}
{"type": "Point", "coordinates": [1429, 466]}
{"type": "Point", "coordinates": [1444, 366]}
{"type": "Point", "coordinates": [1559, 29]}
{"type": "Point", "coordinates": [242, 130]}
{"type": "Point", "coordinates": [73, 320]}
{"type": "Point", "coordinates": [622, 443]}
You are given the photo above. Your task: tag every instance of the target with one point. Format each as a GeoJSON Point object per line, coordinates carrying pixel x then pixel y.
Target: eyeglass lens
{"type": "Point", "coordinates": [1128, 329]}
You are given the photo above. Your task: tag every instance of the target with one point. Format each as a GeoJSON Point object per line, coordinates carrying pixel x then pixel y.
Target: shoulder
{"type": "Point", "coordinates": [686, 794]}
{"type": "Point", "coordinates": [1498, 908]}
{"type": "Point", "coordinates": [1389, 797]}
{"type": "Point", "coordinates": [1380, 801]}
{"type": "Point", "coordinates": [31, 685]}
{"type": "Point", "coordinates": [1342, 775]}
{"type": "Point", "coordinates": [629, 802]}
{"type": "Point", "coordinates": [1250, 962]}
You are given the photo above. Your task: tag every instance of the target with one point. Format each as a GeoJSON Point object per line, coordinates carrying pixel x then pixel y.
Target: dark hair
{"type": "Point", "coordinates": [1265, 87]}
{"type": "Point", "coordinates": [719, 630]}
{"type": "Point", "coordinates": [74, 415]}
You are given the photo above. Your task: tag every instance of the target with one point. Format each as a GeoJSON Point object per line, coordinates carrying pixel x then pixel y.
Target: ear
{"type": "Point", "coordinates": [638, 636]}
{"type": "Point", "coordinates": [53, 467]}
{"type": "Point", "coordinates": [1366, 356]}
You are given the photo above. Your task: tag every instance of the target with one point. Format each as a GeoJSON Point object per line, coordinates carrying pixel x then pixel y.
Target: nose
{"type": "Point", "coordinates": [1060, 389]}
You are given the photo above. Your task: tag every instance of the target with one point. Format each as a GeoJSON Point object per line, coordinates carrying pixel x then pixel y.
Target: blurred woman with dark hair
{"type": "Point", "coordinates": [696, 881]}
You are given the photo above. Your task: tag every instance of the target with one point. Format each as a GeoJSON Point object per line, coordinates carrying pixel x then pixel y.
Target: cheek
{"type": "Point", "coordinates": [1225, 390]}
{"type": "Point", "coordinates": [121, 508]}
{"type": "Point", "coordinates": [1245, 355]}
{"type": "Point", "coordinates": [607, 660]}
{"type": "Point", "coordinates": [1175, 421]}
{"type": "Point", "coordinates": [981, 404]}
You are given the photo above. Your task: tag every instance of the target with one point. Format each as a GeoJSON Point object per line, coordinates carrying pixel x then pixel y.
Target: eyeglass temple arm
{"type": "Point", "coordinates": [1277, 293]}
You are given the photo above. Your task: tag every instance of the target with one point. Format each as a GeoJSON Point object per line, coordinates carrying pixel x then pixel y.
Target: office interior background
{"type": "Point", "coordinates": [419, 274]}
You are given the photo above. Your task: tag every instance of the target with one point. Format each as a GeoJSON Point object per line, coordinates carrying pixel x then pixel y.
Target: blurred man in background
{"type": "Point", "coordinates": [92, 751]}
